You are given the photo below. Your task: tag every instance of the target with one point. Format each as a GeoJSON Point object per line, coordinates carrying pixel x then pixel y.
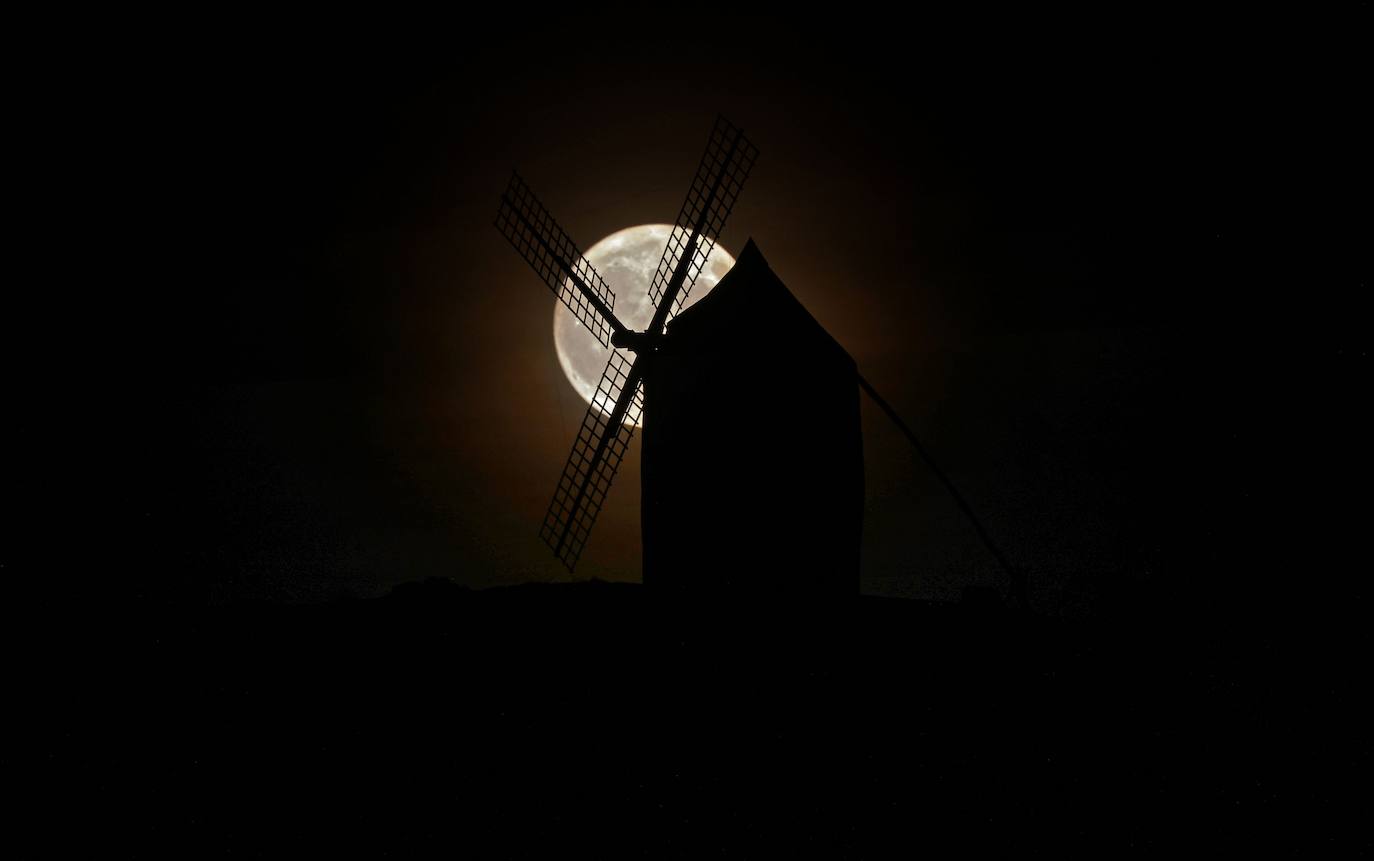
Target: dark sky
{"type": "Point", "coordinates": [1096, 263]}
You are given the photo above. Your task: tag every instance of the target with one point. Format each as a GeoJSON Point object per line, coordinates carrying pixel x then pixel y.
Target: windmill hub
{"type": "Point", "coordinates": [638, 342]}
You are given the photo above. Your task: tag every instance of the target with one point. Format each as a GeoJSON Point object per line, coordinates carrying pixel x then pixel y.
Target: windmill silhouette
{"type": "Point", "coordinates": [798, 529]}
{"type": "Point", "coordinates": [603, 438]}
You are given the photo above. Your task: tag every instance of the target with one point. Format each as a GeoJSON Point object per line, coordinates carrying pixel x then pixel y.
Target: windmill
{"type": "Point", "coordinates": [603, 438]}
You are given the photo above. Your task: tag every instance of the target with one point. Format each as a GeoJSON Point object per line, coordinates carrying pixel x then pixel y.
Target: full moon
{"type": "Point", "coordinates": [627, 259]}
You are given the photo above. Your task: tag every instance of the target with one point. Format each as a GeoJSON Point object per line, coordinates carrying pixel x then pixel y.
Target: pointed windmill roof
{"type": "Point", "coordinates": [750, 305]}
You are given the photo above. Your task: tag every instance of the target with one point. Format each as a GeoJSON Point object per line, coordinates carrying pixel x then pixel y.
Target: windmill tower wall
{"type": "Point", "coordinates": [752, 465]}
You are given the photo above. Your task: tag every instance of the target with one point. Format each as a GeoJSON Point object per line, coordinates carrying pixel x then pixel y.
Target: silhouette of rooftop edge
{"type": "Point", "coordinates": [739, 300]}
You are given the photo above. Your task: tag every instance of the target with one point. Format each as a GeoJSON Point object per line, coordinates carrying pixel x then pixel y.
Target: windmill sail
{"type": "Point", "coordinates": [529, 227]}
{"type": "Point", "coordinates": [715, 188]}
{"type": "Point", "coordinates": [596, 455]}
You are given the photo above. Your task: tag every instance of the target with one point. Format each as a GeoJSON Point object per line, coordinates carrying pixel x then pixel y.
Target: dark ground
{"type": "Point", "coordinates": [590, 718]}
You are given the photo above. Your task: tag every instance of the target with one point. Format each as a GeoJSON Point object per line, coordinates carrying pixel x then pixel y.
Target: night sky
{"type": "Point", "coordinates": [1098, 265]}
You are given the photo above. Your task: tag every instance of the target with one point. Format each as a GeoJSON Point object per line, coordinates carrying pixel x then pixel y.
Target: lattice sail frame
{"type": "Point", "coordinates": [729, 157]}
{"type": "Point", "coordinates": [534, 233]}
{"type": "Point", "coordinates": [571, 504]}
